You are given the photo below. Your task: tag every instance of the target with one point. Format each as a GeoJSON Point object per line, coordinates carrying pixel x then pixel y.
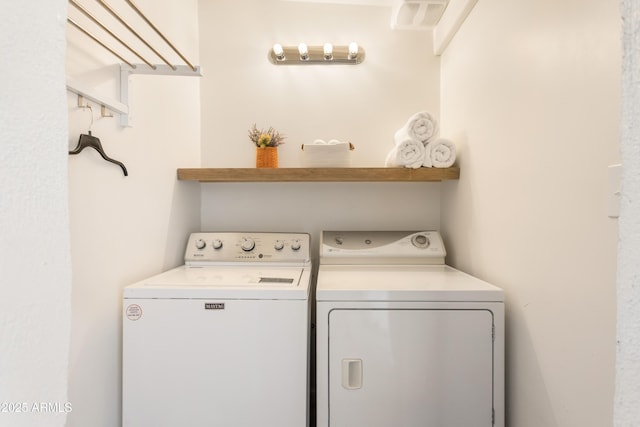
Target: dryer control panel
{"type": "Point", "coordinates": [232, 247]}
{"type": "Point", "coordinates": [382, 247]}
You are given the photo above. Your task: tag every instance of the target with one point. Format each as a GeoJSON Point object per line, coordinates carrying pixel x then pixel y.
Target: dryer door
{"type": "Point", "coordinates": [411, 368]}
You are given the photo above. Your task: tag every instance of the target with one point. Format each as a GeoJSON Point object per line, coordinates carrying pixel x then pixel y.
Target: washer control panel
{"type": "Point", "coordinates": [221, 247]}
{"type": "Point", "coordinates": [382, 247]}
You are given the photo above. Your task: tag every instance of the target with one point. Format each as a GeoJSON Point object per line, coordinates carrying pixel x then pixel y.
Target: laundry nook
{"type": "Point", "coordinates": [319, 213]}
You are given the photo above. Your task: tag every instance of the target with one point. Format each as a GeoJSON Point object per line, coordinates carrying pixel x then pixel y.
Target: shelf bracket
{"type": "Point", "coordinates": [159, 70]}
{"type": "Point", "coordinates": [122, 107]}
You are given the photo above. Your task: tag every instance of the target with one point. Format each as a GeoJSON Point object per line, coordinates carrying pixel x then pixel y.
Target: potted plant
{"type": "Point", "coordinates": [266, 143]}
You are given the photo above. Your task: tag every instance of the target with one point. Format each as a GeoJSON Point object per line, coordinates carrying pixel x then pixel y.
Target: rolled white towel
{"type": "Point", "coordinates": [408, 153]}
{"type": "Point", "coordinates": [440, 153]}
{"type": "Point", "coordinates": [421, 126]}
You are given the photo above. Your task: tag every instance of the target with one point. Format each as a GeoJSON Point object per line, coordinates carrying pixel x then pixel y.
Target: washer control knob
{"type": "Point", "coordinates": [217, 244]}
{"type": "Point", "coordinates": [201, 244]}
{"type": "Point", "coordinates": [420, 241]}
{"type": "Point", "coordinates": [247, 244]}
{"type": "Point", "coordinates": [295, 245]}
{"type": "Point", "coordinates": [278, 245]}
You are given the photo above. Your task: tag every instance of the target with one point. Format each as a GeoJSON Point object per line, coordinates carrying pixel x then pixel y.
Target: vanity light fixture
{"type": "Point", "coordinates": [317, 54]}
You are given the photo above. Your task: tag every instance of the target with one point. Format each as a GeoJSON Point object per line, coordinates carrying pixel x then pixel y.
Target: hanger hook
{"type": "Point", "coordinates": [91, 112]}
{"type": "Point", "coordinates": [84, 106]}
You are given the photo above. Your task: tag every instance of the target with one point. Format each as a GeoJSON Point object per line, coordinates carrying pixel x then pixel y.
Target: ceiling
{"type": "Point", "coordinates": [405, 14]}
{"type": "Point", "coordinates": [352, 2]}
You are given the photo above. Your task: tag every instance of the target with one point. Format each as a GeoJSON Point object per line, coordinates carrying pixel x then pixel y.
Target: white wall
{"type": "Point", "coordinates": [126, 228]}
{"type": "Point", "coordinates": [364, 104]}
{"type": "Point", "coordinates": [627, 408]}
{"type": "Point", "coordinates": [35, 262]}
{"type": "Point", "coordinates": [531, 93]}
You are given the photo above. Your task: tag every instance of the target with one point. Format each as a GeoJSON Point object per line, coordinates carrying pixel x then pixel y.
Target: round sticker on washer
{"type": "Point", "coordinates": [134, 312]}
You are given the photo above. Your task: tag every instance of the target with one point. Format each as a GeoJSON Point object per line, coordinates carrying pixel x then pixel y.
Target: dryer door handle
{"type": "Point", "coordinates": [352, 374]}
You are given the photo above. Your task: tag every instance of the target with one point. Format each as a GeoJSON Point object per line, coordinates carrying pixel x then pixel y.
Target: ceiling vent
{"type": "Point", "coordinates": [417, 14]}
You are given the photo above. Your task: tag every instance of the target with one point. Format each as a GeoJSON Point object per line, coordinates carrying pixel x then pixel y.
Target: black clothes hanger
{"type": "Point", "coordinates": [93, 142]}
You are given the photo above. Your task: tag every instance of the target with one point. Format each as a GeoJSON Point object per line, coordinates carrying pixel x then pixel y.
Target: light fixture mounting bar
{"type": "Point", "coordinates": [290, 55]}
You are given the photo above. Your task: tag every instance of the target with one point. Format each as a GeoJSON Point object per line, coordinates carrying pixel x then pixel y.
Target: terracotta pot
{"type": "Point", "coordinates": [267, 157]}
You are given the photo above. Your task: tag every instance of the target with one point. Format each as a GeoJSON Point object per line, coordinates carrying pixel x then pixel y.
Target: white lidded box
{"type": "Point", "coordinates": [332, 154]}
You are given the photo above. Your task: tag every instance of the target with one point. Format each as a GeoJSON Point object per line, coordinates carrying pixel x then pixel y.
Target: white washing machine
{"type": "Point", "coordinates": [222, 340]}
{"type": "Point", "coordinates": [402, 339]}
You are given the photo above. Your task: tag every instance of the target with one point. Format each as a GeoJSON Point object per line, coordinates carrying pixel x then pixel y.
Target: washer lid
{"type": "Point", "coordinates": [401, 283]}
{"type": "Point", "coordinates": [225, 282]}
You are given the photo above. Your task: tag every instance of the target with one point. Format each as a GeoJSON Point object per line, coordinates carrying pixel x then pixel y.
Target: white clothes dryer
{"type": "Point", "coordinates": [222, 340]}
{"type": "Point", "coordinates": [402, 339]}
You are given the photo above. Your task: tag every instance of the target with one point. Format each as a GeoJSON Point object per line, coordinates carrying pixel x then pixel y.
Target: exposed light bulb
{"type": "Point", "coordinates": [278, 51]}
{"type": "Point", "coordinates": [316, 54]}
{"type": "Point", "coordinates": [353, 50]}
{"type": "Point", "coordinates": [328, 51]}
{"type": "Point", "coordinates": [304, 51]}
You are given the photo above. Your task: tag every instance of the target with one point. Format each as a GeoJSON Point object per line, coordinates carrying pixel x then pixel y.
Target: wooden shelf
{"type": "Point", "coordinates": [317, 174]}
